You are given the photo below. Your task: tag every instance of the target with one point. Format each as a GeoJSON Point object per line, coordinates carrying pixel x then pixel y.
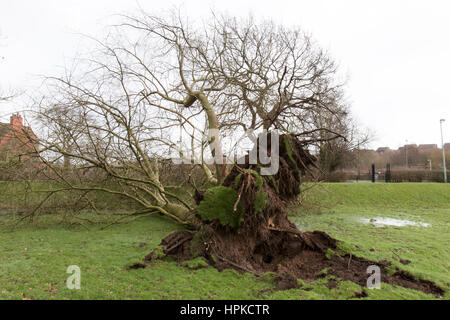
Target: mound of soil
{"type": "Point", "coordinates": [291, 259]}
{"type": "Point", "coordinates": [266, 241]}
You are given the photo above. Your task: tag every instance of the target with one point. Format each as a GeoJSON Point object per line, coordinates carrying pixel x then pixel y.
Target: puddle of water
{"type": "Point", "coordinates": [378, 221]}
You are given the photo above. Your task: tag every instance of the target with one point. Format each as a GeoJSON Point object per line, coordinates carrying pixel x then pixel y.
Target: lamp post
{"type": "Point", "coordinates": [443, 153]}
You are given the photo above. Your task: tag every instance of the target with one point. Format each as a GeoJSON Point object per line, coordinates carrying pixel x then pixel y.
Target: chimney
{"type": "Point", "coordinates": [16, 121]}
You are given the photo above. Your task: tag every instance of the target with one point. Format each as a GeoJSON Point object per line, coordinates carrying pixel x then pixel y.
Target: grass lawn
{"type": "Point", "coordinates": [34, 258]}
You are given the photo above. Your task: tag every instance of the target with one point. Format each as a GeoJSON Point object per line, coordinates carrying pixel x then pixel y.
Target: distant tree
{"type": "Point", "coordinates": [436, 159]}
{"type": "Point", "coordinates": [341, 151]}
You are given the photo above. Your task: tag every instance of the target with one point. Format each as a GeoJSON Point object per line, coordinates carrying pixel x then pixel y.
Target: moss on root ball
{"type": "Point", "coordinates": [218, 203]}
{"type": "Point", "coordinates": [260, 201]}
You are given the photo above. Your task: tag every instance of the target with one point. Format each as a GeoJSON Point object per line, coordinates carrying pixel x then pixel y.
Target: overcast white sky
{"type": "Point", "coordinates": [396, 53]}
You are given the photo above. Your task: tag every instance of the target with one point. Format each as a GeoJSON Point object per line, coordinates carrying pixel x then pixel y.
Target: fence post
{"type": "Point", "coordinates": [373, 172]}
{"type": "Point", "coordinates": [387, 175]}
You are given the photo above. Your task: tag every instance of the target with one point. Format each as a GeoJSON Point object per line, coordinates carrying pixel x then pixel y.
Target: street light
{"type": "Point", "coordinates": [443, 153]}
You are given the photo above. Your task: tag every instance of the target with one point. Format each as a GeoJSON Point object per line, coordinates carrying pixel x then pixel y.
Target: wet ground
{"type": "Point", "coordinates": [380, 221]}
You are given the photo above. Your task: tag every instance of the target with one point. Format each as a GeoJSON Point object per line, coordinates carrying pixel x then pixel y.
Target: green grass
{"type": "Point", "coordinates": [337, 207]}
{"type": "Point", "coordinates": [34, 257]}
{"type": "Point", "coordinates": [378, 195]}
{"type": "Point", "coordinates": [17, 196]}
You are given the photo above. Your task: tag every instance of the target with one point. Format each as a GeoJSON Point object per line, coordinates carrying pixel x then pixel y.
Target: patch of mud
{"type": "Point", "coordinates": [137, 265]}
{"type": "Point", "coordinates": [293, 259]}
{"type": "Point", "coordinates": [286, 282]}
{"type": "Point", "coordinates": [332, 284]}
{"type": "Point", "coordinates": [358, 295]}
{"type": "Point", "coordinates": [380, 222]}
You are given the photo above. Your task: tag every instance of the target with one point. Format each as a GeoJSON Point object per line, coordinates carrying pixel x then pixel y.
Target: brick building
{"type": "Point", "coordinates": [17, 140]}
{"type": "Point", "coordinates": [427, 147]}
{"type": "Point", "coordinates": [383, 149]}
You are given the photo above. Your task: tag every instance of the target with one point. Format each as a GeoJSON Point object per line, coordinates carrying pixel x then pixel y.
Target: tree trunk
{"type": "Point", "coordinates": [215, 142]}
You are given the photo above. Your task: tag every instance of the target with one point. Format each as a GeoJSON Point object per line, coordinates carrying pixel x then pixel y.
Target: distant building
{"type": "Point", "coordinates": [383, 149]}
{"type": "Point", "coordinates": [447, 146]}
{"type": "Point", "coordinates": [16, 139]}
{"type": "Point", "coordinates": [408, 146]}
{"type": "Point", "coordinates": [427, 147]}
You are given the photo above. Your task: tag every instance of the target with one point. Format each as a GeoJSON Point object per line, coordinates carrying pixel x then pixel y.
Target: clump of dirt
{"type": "Point", "coordinates": [286, 281]}
{"type": "Point", "coordinates": [362, 294]}
{"type": "Point", "coordinates": [263, 239]}
{"type": "Point", "coordinates": [332, 284]}
{"type": "Point", "coordinates": [137, 265]}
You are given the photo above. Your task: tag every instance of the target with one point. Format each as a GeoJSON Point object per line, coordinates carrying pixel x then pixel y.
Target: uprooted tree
{"type": "Point", "coordinates": [155, 82]}
{"type": "Point", "coordinates": [158, 81]}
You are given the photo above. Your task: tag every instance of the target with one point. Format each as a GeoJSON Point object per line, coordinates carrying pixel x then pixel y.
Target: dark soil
{"type": "Point", "coordinates": [293, 260]}
{"type": "Point", "coordinates": [266, 241]}
{"type": "Point", "coordinates": [137, 265]}
{"type": "Point", "coordinates": [142, 244]}
{"type": "Point", "coordinates": [332, 284]}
